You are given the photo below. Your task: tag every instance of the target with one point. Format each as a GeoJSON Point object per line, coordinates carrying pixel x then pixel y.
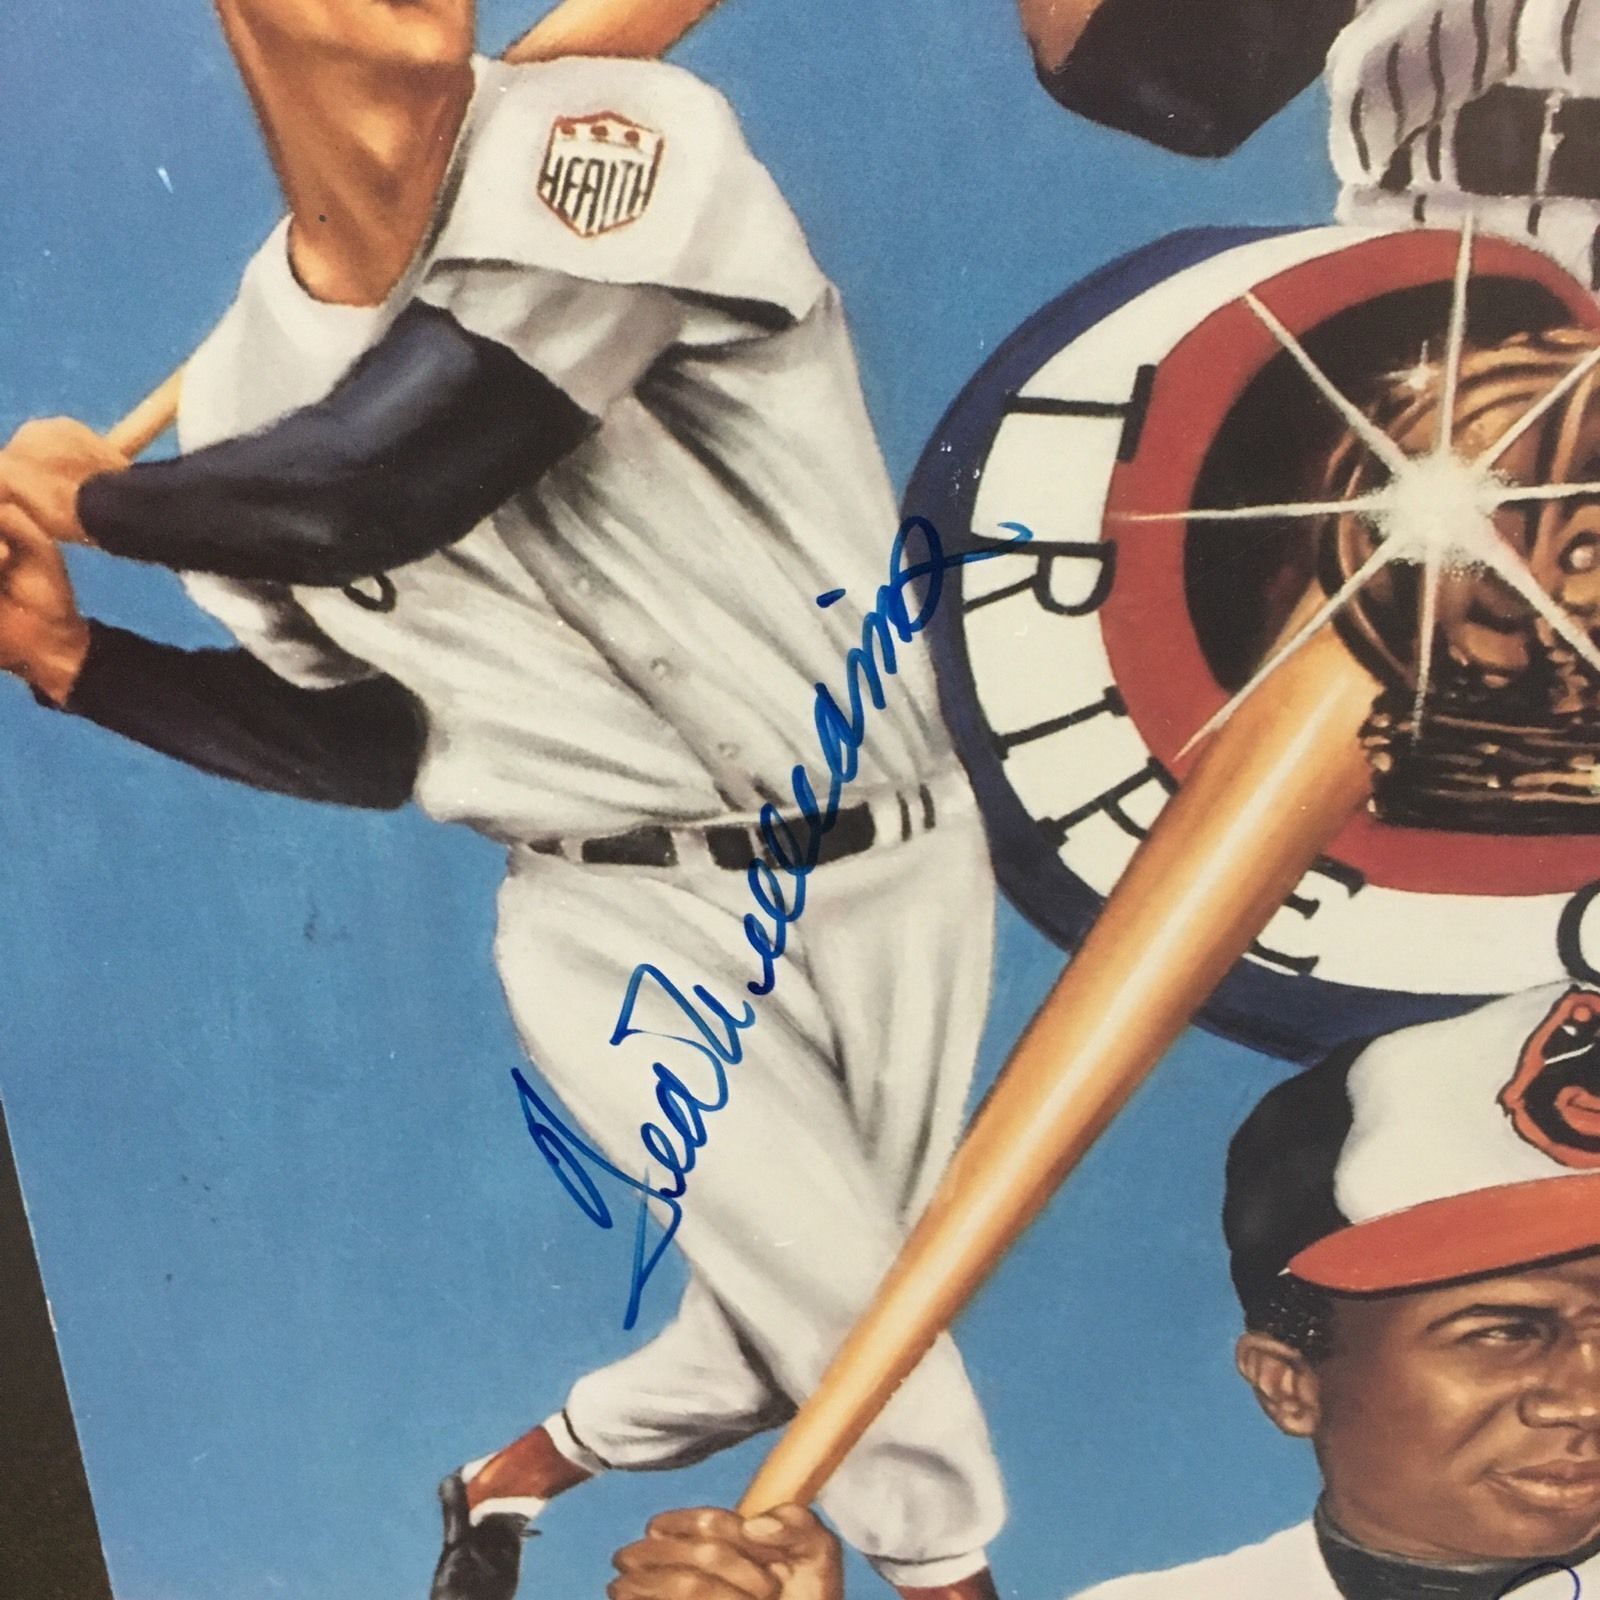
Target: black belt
{"type": "Point", "coordinates": [1498, 142]}
{"type": "Point", "coordinates": [734, 845]}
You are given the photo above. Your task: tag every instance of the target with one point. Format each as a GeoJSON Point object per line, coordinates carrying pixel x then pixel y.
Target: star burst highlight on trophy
{"type": "Point", "coordinates": [1460, 559]}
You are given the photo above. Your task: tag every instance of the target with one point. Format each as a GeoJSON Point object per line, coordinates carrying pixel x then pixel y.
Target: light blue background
{"type": "Point", "coordinates": [300, 1251]}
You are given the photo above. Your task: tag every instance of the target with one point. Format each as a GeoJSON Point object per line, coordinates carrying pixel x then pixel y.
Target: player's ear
{"type": "Point", "coordinates": [1284, 1381]}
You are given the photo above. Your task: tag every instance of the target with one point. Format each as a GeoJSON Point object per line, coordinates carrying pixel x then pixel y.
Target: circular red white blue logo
{"type": "Point", "coordinates": [1075, 669]}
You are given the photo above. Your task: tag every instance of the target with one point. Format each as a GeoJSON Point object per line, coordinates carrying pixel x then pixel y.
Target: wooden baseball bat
{"type": "Point", "coordinates": [149, 419]}
{"type": "Point", "coordinates": [641, 28]}
{"type": "Point", "coordinates": [1273, 786]}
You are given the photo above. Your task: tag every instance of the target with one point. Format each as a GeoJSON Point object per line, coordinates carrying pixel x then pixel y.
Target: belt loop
{"type": "Point", "coordinates": [694, 848]}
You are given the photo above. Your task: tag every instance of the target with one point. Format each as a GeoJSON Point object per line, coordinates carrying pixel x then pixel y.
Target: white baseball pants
{"type": "Point", "coordinates": [839, 1120]}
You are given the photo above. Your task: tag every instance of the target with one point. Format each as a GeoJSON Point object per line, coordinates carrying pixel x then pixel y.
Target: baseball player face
{"type": "Point", "coordinates": [1464, 1423]}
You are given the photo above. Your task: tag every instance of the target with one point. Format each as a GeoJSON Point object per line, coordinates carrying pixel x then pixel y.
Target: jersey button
{"type": "Point", "coordinates": [728, 750]}
{"type": "Point", "coordinates": [660, 667]}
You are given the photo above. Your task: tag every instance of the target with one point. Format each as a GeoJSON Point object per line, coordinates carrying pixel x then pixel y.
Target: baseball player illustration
{"type": "Point", "coordinates": [531, 472]}
{"type": "Point", "coordinates": [1414, 1234]}
{"type": "Point", "coordinates": [1439, 109]}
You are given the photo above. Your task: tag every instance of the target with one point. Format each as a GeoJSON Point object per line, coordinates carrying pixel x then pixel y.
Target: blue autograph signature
{"type": "Point", "coordinates": [1544, 1569]}
{"type": "Point", "coordinates": [906, 604]}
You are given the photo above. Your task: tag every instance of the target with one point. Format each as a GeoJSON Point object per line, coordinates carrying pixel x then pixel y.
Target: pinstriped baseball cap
{"type": "Point", "coordinates": [1445, 1151]}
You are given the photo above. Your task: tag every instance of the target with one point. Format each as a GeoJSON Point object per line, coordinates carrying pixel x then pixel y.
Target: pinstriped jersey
{"type": "Point", "coordinates": [634, 636]}
{"type": "Point", "coordinates": [1440, 107]}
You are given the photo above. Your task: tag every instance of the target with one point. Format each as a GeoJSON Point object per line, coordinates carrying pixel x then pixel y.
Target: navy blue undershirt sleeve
{"type": "Point", "coordinates": [222, 711]}
{"type": "Point", "coordinates": [431, 430]}
{"type": "Point", "coordinates": [1195, 76]}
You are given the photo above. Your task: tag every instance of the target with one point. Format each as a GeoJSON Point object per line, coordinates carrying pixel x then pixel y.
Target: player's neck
{"type": "Point", "coordinates": [361, 149]}
{"type": "Point", "coordinates": [1361, 1571]}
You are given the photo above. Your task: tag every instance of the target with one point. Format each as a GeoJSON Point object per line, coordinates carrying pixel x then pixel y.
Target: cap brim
{"type": "Point", "coordinates": [1461, 1236]}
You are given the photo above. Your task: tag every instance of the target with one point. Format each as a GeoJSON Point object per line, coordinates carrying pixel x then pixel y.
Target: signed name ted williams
{"type": "Point", "coordinates": [841, 732]}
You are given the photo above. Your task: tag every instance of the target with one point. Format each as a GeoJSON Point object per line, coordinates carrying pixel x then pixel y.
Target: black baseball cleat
{"type": "Point", "coordinates": [478, 1562]}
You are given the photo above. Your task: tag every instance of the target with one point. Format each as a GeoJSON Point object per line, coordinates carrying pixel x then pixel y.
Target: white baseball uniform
{"type": "Point", "coordinates": [1289, 1566]}
{"type": "Point", "coordinates": [634, 639]}
{"type": "Point", "coordinates": [1403, 74]}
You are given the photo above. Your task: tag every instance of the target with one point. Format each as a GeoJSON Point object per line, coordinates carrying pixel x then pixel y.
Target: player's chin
{"type": "Point", "coordinates": [424, 33]}
{"type": "Point", "coordinates": [1534, 1514]}
{"type": "Point", "coordinates": [402, 34]}
{"type": "Point", "coordinates": [411, 49]}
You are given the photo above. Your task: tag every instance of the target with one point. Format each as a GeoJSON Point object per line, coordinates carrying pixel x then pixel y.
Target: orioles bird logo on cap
{"type": "Point", "coordinates": [1553, 1099]}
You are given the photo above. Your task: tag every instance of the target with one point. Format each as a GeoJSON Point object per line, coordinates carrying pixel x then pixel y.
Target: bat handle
{"type": "Point", "coordinates": [148, 420]}
{"type": "Point", "coordinates": [1272, 787]}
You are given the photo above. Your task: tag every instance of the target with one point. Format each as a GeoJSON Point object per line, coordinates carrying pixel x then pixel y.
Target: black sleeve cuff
{"type": "Point", "coordinates": [224, 712]}
{"type": "Point", "coordinates": [426, 435]}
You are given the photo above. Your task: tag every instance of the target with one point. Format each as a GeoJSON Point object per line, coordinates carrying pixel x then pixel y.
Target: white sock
{"type": "Point", "coordinates": [528, 1506]}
